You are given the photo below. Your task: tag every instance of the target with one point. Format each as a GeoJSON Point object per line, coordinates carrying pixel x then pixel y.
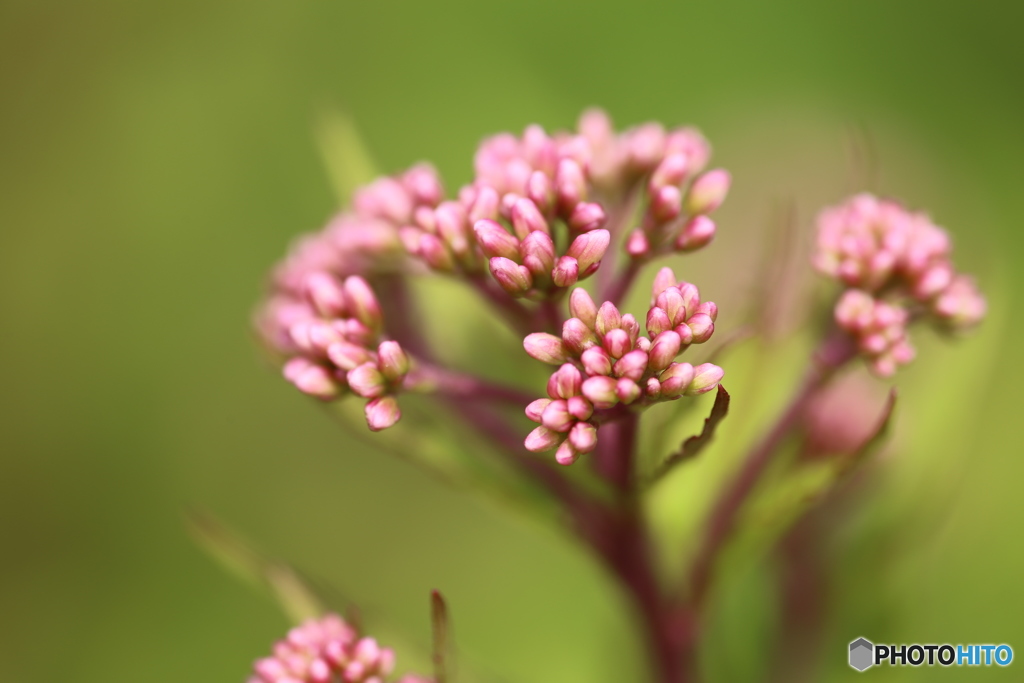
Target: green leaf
{"type": "Point", "coordinates": [345, 153]}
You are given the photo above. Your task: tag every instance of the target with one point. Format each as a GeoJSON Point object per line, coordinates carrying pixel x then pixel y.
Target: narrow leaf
{"type": "Point", "coordinates": [442, 636]}
{"type": "Point", "coordinates": [697, 443]}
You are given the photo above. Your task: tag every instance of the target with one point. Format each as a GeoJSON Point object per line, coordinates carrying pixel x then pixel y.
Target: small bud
{"type": "Point", "coordinates": [526, 218]}
{"type": "Point", "coordinates": [367, 381]}
{"type": "Point", "coordinates": [631, 326]}
{"type": "Point", "coordinates": [579, 407]}
{"type": "Point", "coordinates": [538, 253]}
{"type": "Point", "coordinates": [710, 309]}
{"type": "Point", "coordinates": [854, 310]}
{"type": "Point", "coordinates": [933, 281]}
{"type": "Point", "coordinates": [347, 355]}
{"type": "Point", "coordinates": [645, 146]}
{"type": "Point", "coordinates": [326, 294]}
{"type": "Point", "coordinates": [577, 336]}
{"type": "Point", "coordinates": [566, 454]}
{"type": "Point", "coordinates": [685, 334]}
{"type": "Point", "coordinates": [534, 410]}
{"type": "Point", "coordinates": [312, 379]}
{"type": "Point", "coordinates": [644, 344]}
{"type": "Point", "coordinates": [616, 342]}
{"type": "Point", "coordinates": [653, 388]}
{"type": "Point", "coordinates": [392, 363]}
{"type": "Point", "coordinates": [556, 416]}
{"type": "Point", "coordinates": [570, 186]}
{"type": "Point", "coordinates": [657, 321]}
{"type": "Point", "coordinates": [588, 249]}
{"type": "Point", "coordinates": [671, 171]}
{"type": "Point", "coordinates": [583, 307]}
{"type": "Point", "coordinates": [434, 252]}
{"type": "Point", "coordinates": [705, 378]}
{"type": "Point", "coordinates": [542, 439]}
{"type": "Point", "coordinates": [600, 391]}
{"type": "Point", "coordinates": [664, 349]}
{"type": "Point", "coordinates": [513, 278]}
{"type": "Point", "coordinates": [451, 227]}
{"type": "Point", "coordinates": [608, 318]}
{"type": "Point", "coordinates": [708, 191]}
{"type": "Point", "coordinates": [382, 413]}
{"type": "Point", "coordinates": [495, 240]}
{"type": "Point", "coordinates": [627, 390]}
{"type": "Point", "coordinates": [566, 272]}
{"type": "Point", "coordinates": [702, 327]}
{"type": "Point", "coordinates": [586, 216]}
{"type": "Point", "coordinates": [485, 205]}
{"type": "Point", "coordinates": [691, 297]}
{"type": "Point", "coordinates": [547, 348]}
{"type": "Point", "coordinates": [596, 361]}
{"type": "Point", "coordinates": [423, 183]}
{"type": "Point", "coordinates": [567, 381]}
{"type": "Point", "coordinates": [637, 244]}
{"type": "Point", "coordinates": [671, 300]}
{"type": "Point", "coordinates": [632, 365]}
{"type": "Point", "coordinates": [583, 437]}
{"type": "Point", "coordinates": [362, 303]}
{"type": "Point", "coordinates": [676, 379]}
{"type": "Point", "coordinates": [662, 281]}
{"type": "Point", "coordinates": [540, 191]}
{"type": "Point", "coordinates": [666, 204]}
{"type": "Point", "coordinates": [699, 231]}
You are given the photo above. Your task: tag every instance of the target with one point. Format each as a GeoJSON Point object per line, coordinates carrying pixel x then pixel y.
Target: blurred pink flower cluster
{"type": "Point", "coordinates": [897, 267]}
{"type": "Point", "coordinates": [327, 650]}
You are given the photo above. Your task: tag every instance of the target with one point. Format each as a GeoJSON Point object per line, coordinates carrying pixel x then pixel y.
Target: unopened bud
{"type": "Point", "coordinates": [583, 307]}
{"type": "Point", "coordinates": [513, 278]}
{"type": "Point", "coordinates": [495, 241]}
{"type": "Point", "coordinates": [382, 413]}
{"type": "Point", "coordinates": [699, 231]}
{"type": "Point", "coordinates": [706, 377]}
{"type": "Point", "coordinates": [579, 407]}
{"type": "Point", "coordinates": [527, 218]}
{"type": "Point", "coordinates": [566, 272]}
{"type": "Point", "coordinates": [362, 303]}
{"type": "Point", "coordinates": [536, 408]}
{"type": "Point", "coordinates": [596, 361]}
{"type": "Point", "coordinates": [662, 281]}
{"type": "Point", "coordinates": [312, 379]}
{"type": "Point", "coordinates": [708, 191]}
{"type": "Point", "coordinates": [538, 252]}
{"type": "Point", "coordinates": [637, 244]}
{"type": "Point", "coordinates": [588, 249]}
{"type": "Point", "coordinates": [570, 186]}
{"type": "Point", "coordinates": [676, 379]}
{"type": "Point", "coordinates": [657, 321]}
{"type": "Point", "coordinates": [556, 416]}
{"type": "Point", "coordinates": [631, 365]}
{"type": "Point", "coordinates": [347, 355]}
{"type": "Point", "coordinates": [608, 318]}
{"type": "Point", "coordinates": [566, 453]}
{"type": "Point", "coordinates": [664, 349]}
{"type": "Point", "coordinates": [367, 381]}
{"type": "Point", "coordinates": [583, 437]}
{"type": "Point", "coordinates": [547, 348]}
{"type": "Point", "coordinates": [702, 327]}
{"type": "Point", "coordinates": [433, 250]}
{"type": "Point", "coordinates": [542, 439]}
{"type": "Point", "coordinates": [326, 294]}
{"type": "Point", "coordinates": [392, 363]}
{"type": "Point", "coordinates": [627, 390]}
{"type": "Point", "coordinates": [567, 381]}
{"type": "Point", "coordinates": [600, 391]}
{"type": "Point", "coordinates": [653, 388]}
{"type": "Point", "coordinates": [577, 336]}
{"type": "Point", "coordinates": [586, 216]}
{"type": "Point", "coordinates": [666, 204]}
{"type": "Point", "coordinates": [540, 191]}
{"type": "Point", "coordinates": [616, 342]}
{"type": "Point", "coordinates": [485, 205]}
{"type": "Point", "coordinates": [708, 308]}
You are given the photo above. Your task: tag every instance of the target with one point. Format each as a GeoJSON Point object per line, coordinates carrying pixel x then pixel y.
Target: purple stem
{"type": "Point", "coordinates": [521, 318]}
{"type": "Point", "coordinates": [619, 287]}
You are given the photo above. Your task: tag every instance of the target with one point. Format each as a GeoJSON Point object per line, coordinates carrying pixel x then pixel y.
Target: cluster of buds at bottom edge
{"type": "Point", "coordinates": [327, 650]}
{"type": "Point", "coordinates": [339, 349]}
{"type": "Point", "coordinates": [604, 362]}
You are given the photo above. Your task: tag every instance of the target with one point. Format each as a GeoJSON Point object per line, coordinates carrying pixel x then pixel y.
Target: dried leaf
{"type": "Point", "coordinates": [697, 443]}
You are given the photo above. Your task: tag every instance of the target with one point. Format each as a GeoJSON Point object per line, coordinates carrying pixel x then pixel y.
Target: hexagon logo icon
{"type": "Point", "coordinates": [861, 654]}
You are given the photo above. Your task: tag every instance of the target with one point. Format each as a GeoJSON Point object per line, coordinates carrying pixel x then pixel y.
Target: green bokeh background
{"type": "Point", "coordinates": [155, 159]}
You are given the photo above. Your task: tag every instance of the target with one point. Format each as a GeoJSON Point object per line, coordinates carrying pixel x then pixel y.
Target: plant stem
{"type": "Point", "coordinates": [462, 385]}
{"type": "Point", "coordinates": [835, 351]}
{"type": "Point", "coordinates": [518, 316]}
{"type": "Point", "coordinates": [618, 288]}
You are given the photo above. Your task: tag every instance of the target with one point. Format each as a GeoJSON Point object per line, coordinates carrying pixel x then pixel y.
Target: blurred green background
{"type": "Point", "coordinates": [156, 158]}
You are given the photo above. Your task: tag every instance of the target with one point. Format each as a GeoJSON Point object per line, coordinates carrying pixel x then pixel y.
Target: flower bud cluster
{"type": "Point", "coordinates": [897, 264]}
{"type": "Point", "coordinates": [604, 362]}
{"type": "Point", "coordinates": [337, 347]}
{"type": "Point", "coordinates": [326, 650]}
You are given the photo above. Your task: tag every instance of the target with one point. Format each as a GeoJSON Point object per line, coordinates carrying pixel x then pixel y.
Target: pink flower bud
{"type": "Point", "coordinates": [702, 327]}
{"type": "Point", "coordinates": [708, 191]}
{"type": "Point", "coordinates": [600, 391]}
{"type": "Point", "coordinates": [382, 413]}
{"type": "Point", "coordinates": [312, 379]}
{"type": "Point", "coordinates": [540, 191]}
{"type": "Point", "coordinates": [534, 410]}
{"type": "Point", "coordinates": [854, 310]}
{"type": "Point", "coordinates": [556, 416]}
{"type": "Point", "coordinates": [699, 231]}
{"type": "Point", "coordinates": [570, 186]}
{"type": "Point", "coordinates": [664, 350]}
{"type": "Point", "coordinates": [653, 388]}
{"type": "Point", "coordinates": [423, 183]}
{"type": "Point", "coordinates": [631, 365]}
{"type": "Point", "coordinates": [588, 249]}
{"type": "Point", "coordinates": [547, 348]}
{"type": "Point", "coordinates": [451, 227]}
{"type": "Point", "coordinates": [392, 361]}
{"type": "Point", "coordinates": [662, 281]}
{"type": "Point", "coordinates": [645, 146]}
{"type": "Point", "coordinates": [326, 294]}
{"type": "Point", "coordinates": [495, 241]}
{"type": "Point", "coordinates": [583, 307]}
{"type": "Point", "coordinates": [526, 218]}
{"type": "Point", "coordinates": [583, 437]}
{"type": "Point", "coordinates": [566, 272]}
{"type": "Point", "coordinates": [706, 377]}
{"type": "Point", "coordinates": [586, 216]}
{"type": "Point", "coordinates": [566, 454]}
{"type": "Point", "coordinates": [567, 381]}
{"type": "Point", "coordinates": [362, 303]}
{"type": "Point", "coordinates": [670, 172]}
{"type": "Point", "coordinates": [708, 308]}
{"type": "Point", "coordinates": [644, 344]}
{"type": "Point", "coordinates": [542, 439]}
{"type": "Point", "coordinates": [671, 300]}
{"type": "Point", "coordinates": [434, 252]}
{"type": "Point", "coordinates": [367, 381]}
{"type": "Point", "coordinates": [657, 321]}
{"type": "Point", "coordinates": [685, 334]}
{"type": "Point", "coordinates": [577, 336]}
{"type": "Point", "coordinates": [347, 355]}
{"type": "Point", "coordinates": [616, 342]}
{"type": "Point", "coordinates": [538, 253]}
{"type": "Point", "coordinates": [637, 245]}
{"type": "Point", "coordinates": [579, 407]}
{"type": "Point", "coordinates": [607, 318]}
{"type": "Point", "coordinates": [485, 205]}
{"type": "Point", "coordinates": [676, 379]}
{"type": "Point", "coordinates": [513, 278]}
{"type": "Point", "coordinates": [934, 280]}
{"type": "Point", "coordinates": [596, 361]}
{"type": "Point", "coordinates": [691, 297]}
{"type": "Point", "coordinates": [666, 204]}
{"type": "Point", "coordinates": [627, 390]}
